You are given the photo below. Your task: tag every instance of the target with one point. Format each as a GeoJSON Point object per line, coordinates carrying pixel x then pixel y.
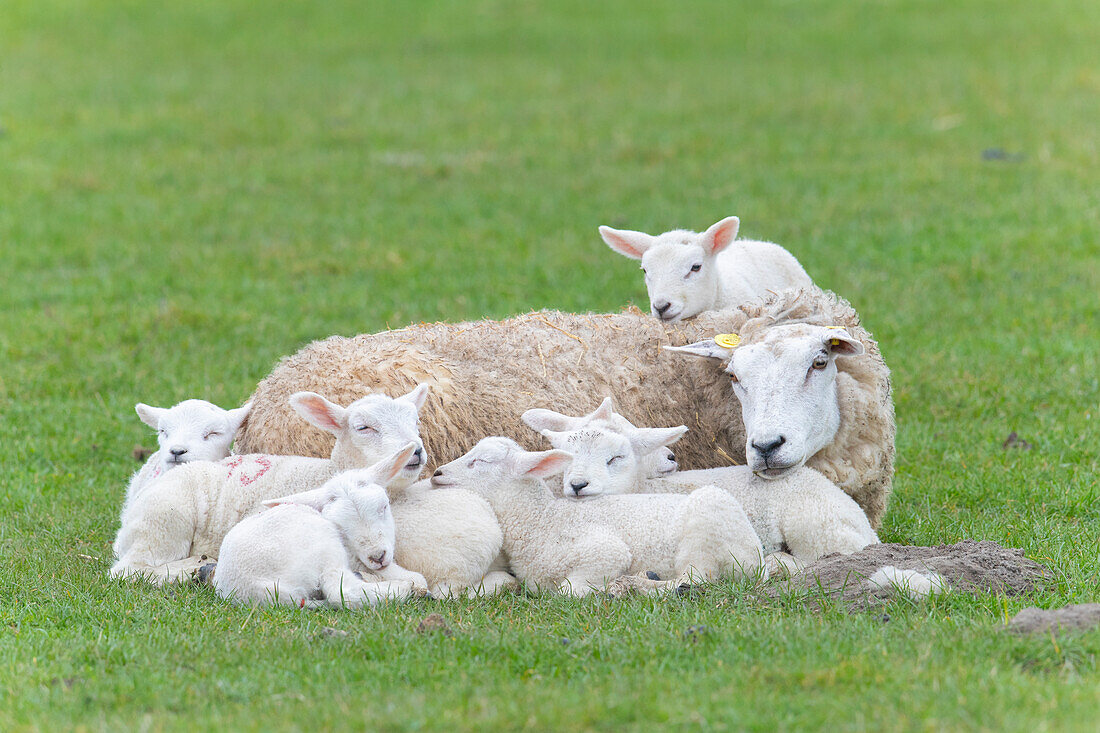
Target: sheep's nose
{"type": "Point", "coordinates": [418, 453]}
{"type": "Point", "coordinates": [380, 558]}
{"type": "Point", "coordinates": [438, 472]}
{"type": "Point", "coordinates": [769, 444]}
{"type": "Point", "coordinates": [577, 486]}
{"type": "Point", "coordinates": [661, 307]}
{"type": "Point", "coordinates": [177, 452]}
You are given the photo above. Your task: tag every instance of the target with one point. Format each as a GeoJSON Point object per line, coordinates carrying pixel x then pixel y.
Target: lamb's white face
{"type": "Point", "coordinates": [603, 462]}
{"type": "Point", "coordinates": [786, 383]}
{"type": "Point", "coordinates": [371, 428]}
{"type": "Point", "coordinates": [679, 266]}
{"type": "Point", "coordinates": [363, 515]}
{"type": "Point", "coordinates": [495, 462]}
{"type": "Point", "coordinates": [193, 430]}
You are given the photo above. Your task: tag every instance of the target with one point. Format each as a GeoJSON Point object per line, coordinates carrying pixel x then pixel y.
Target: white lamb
{"type": "Point", "coordinates": [801, 513]}
{"type": "Point", "coordinates": [193, 430]}
{"type": "Point", "coordinates": [306, 550]}
{"type": "Point", "coordinates": [554, 543]}
{"type": "Point", "coordinates": [165, 533]}
{"type": "Point", "coordinates": [687, 273]}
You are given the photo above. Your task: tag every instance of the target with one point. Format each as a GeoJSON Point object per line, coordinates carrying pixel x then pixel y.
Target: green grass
{"type": "Point", "coordinates": [190, 190]}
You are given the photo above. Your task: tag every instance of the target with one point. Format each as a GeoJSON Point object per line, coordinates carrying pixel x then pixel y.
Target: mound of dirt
{"type": "Point", "coordinates": [967, 566]}
{"type": "Point", "coordinates": [1034, 620]}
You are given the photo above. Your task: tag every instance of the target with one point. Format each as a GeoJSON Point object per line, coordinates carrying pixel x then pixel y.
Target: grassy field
{"type": "Point", "coordinates": [190, 190]}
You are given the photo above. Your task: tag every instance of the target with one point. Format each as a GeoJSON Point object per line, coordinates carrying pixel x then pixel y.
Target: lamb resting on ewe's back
{"type": "Point", "coordinates": [824, 390]}
{"type": "Point", "coordinates": [688, 273]}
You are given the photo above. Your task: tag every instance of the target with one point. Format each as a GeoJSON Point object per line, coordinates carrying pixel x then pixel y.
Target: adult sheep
{"type": "Point", "coordinates": [485, 374]}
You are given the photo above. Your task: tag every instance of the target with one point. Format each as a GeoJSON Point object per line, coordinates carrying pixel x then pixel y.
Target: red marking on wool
{"type": "Point", "coordinates": [263, 462]}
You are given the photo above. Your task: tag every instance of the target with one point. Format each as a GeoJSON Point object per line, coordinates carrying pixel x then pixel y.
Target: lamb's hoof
{"type": "Point", "coordinates": [205, 573]}
{"type": "Point", "coordinates": [419, 592]}
{"type": "Point", "coordinates": [652, 575]}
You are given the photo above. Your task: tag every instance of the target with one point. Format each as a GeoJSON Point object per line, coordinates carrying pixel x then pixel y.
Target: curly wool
{"type": "Point", "coordinates": [485, 374]}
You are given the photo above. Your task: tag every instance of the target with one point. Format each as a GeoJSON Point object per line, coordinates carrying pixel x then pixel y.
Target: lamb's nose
{"type": "Point", "coordinates": [577, 486]}
{"type": "Point", "coordinates": [177, 452]}
{"type": "Point", "coordinates": [380, 558]}
{"type": "Point", "coordinates": [769, 444]}
{"type": "Point", "coordinates": [418, 453]}
{"type": "Point", "coordinates": [438, 472]}
{"type": "Point", "coordinates": [661, 307]}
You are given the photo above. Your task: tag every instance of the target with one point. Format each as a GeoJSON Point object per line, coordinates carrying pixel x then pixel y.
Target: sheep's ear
{"type": "Point", "coordinates": [626, 242]}
{"type": "Point", "coordinates": [556, 437]}
{"type": "Point", "coordinates": [706, 348]}
{"type": "Point", "coordinates": [542, 420]}
{"type": "Point", "coordinates": [418, 396]}
{"type": "Point", "coordinates": [605, 411]}
{"type": "Point", "coordinates": [541, 464]}
{"type": "Point", "coordinates": [385, 470]}
{"type": "Point", "coordinates": [314, 498]}
{"type": "Point", "coordinates": [236, 417]}
{"type": "Point", "coordinates": [150, 415]}
{"type": "Point", "coordinates": [720, 235]}
{"type": "Point", "coordinates": [647, 440]}
{"type": "Point", "coordinates": [319, 412]}
{"type": "Point", "coordinates": [840, 343]}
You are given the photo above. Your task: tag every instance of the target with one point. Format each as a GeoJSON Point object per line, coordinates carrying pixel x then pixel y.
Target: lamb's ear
{"type": "Point", "coordinates": [605, 411]}
{"type": "Point", "coordinates": [319, 412]}
{"type": "Point", "coordinates": [646, 440]}
{"type": "Point", "coordinates": [706, 348]}
{"type": "Point", "coordinates": [150, 415]}
{"type": "Point", "coordinates": [840, 343]}
{"type": "Point", "coordinates": [626, 242]}
{"type": "Point", "coordinates": [540, 420]}
{"type": "Point", "coordinates": [720, 235]}
{"type": "Point", "coordinates": [385, 470]}
{"type": "Point", "coordinates": [236, 417]}
{"type": "Point", "coordinates": [314, 498]}
{"type": "Point", "coordinates": [418, 396]}
{"type": "Point", "coordinates": [556, 437]}
{"type": "Point", "coordinates": [541, 464]}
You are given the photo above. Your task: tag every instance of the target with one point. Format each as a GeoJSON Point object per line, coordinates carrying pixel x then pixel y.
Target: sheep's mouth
{"type": "Point", "coordinates": [414, 465]}
{"type": "Point", "coordinates": [375, 565]}
{"type": "Point", "coordinates": [438, 482]}
{"type": "Point", "coordinates": [770, 472]}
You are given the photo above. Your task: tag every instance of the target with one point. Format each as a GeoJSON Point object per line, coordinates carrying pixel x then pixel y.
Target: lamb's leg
{"type": "Point", "coordinates": [783, 565]}
{"type": "Point", "coordinates": [393, 571]}
{"type": "Point", "coordinates": [639, 583]}
{"type": "Point", "coordinates": [494, 582]}
{"type": "Point", "coordinates": [342, 589]}
{"type": "Point", "coordinates": [158, 535]}
{"type": "Point", "coordinates": [814, 529]}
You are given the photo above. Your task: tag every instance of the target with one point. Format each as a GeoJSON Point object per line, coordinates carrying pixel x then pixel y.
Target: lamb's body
{"type": "Point", "coordinates": [802, 513]}
{"type": "Point", "coordinates": [550, 541]}
{"type": "Point", "coordinates": [305, 551]}
{"type": "Point", "coordinates": [165, 533]}
{"type": "Point", "coordinates": [557, 544]}
{"type": "Point", "coordinates": [749, 270]}
{"type": "Point", "coordinates": [451, 537]}
{"type": "Point", "coordinates": [485, 374]}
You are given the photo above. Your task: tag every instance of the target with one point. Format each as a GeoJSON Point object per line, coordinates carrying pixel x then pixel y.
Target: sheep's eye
{"type": "Point", "coordinates": [366, 429]}
{"type": "Point", "coordinates": [697, 266]}
{"type": "Point", "coordinates": [163, 433]}
{"type": "Point", "coordinates": [612, 459]}
{"type": "Point", "coordinates": [734, 379]}
{"type": "Point", "coordinates": [211, 434]}
{"type": "Point", "coordinates": [820, 362]}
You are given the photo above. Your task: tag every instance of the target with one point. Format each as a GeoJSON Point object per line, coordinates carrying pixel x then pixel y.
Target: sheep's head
{"type": "Point", "coordinates": [369, 429]}
{"type": "Point", "coordinates": [680, 272]}
{"type": "Point", "coordinates": [658, 462]}
{"type": "Point", "coordinates": [608, 461]}
{"type": "Point", "coordinates": [355, 502]}
{"type": "Point", "coordinates": [496, 461]}
{"type": "Point", "coordinates": [785, 380]}
{"type": "Point", "coordinates": [193, 430]}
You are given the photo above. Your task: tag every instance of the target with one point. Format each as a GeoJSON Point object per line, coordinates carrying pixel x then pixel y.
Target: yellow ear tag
{"type": "Point", "coordinates": [834, 342]}
{"type": "Point", "coordinates": [727, 340]}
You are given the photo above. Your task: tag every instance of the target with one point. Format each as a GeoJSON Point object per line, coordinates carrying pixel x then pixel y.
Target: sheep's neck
{"type": "Point", "coordinates": [516, 510]}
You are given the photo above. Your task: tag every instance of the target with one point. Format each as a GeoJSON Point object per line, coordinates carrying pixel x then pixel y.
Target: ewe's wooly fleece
{"type": "Point", "coordinates": [485, 374]}
{"type": "Point", "coordinates": [688, 273]}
